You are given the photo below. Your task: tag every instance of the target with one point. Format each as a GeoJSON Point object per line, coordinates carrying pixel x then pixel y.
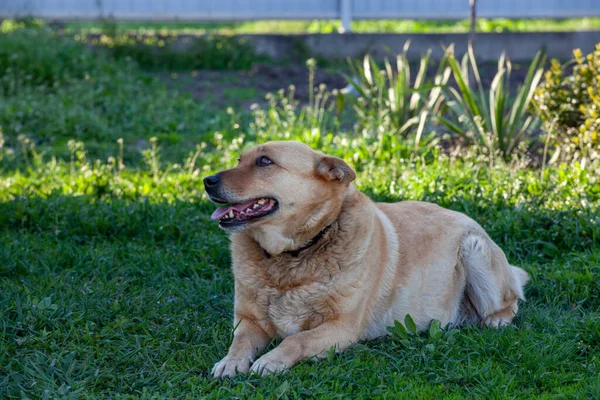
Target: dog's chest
{"type": "Point", "coordinates": [297, 309]}
{"type": "Point", "coordinates": [293, 295]}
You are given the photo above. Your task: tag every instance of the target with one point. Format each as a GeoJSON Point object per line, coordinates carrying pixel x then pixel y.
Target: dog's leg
{"type": "Point", "coordinates": [502, 317]}
{"type": "Point", "coordinates": [517, 278]}
{"type": "Point", "coordinates": [313, 342]}
{"type": "Point", "coordinates": [248, 339]}
{"type": "Point", "coordinates": [493, 286]}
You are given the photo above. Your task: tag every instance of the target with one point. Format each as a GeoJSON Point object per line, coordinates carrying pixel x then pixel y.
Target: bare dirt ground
{"type": "Point", "coordinates": [240, 89]}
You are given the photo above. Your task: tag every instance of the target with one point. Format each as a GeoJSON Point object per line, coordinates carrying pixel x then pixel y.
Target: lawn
{"type": "Point", "coordinates": [114, 282]}
{"type": "Point", "coordinates": [330, 26]}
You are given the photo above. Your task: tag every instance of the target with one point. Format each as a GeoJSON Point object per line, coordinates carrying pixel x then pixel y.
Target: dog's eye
{"type": "Point", "coordinates": [263, 161]}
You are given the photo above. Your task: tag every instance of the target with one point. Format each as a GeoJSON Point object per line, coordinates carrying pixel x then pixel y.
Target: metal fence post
{"type": "Point", "coordinates": [473, 6]}
{"type": "Point", "coordinates": [346, 15]}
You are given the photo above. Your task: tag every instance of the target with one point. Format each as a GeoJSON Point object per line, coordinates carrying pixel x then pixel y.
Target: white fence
{"type": "Point", "coordinates": [295, 9]}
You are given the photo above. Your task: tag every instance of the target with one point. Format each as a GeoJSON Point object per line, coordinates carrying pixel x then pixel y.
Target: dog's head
{"type": "Point", "coordinates": [280, 184]}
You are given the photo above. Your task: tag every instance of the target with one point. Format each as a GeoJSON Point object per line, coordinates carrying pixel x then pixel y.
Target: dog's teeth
{"type": "Point", "coordinates": [261, 201]}
{"type": "Point", "coordinates": [230, 215]}
{"type": "Point", "coordinates": [255, 206]}
{"type": "Point", "coordinates": [248, 210]}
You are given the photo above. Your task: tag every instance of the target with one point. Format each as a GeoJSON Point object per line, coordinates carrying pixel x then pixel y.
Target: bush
{"type": "Point", "coordinates": [568, 103]}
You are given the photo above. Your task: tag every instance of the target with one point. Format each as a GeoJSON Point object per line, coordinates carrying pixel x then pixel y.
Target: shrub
{"type": "Point", "coordinates": [568, 103]}
{"type": "Point", "coordinates": [495, 122]}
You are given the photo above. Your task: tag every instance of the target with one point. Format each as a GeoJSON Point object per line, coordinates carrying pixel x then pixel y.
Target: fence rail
{"type": "Point", "coordinates": [346, 10]}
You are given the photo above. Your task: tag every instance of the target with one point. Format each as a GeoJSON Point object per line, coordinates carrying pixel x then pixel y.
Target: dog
{"type": "Point", "coordinates": [320, 265]}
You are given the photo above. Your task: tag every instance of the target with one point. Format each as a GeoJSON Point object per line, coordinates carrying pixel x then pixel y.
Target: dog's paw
{"type": "Point", "coordinates": [268, 364]}
{"type": "Point", "coordinates": [495, 321]}
{"type": "Point", "coordinates": [230, 366]}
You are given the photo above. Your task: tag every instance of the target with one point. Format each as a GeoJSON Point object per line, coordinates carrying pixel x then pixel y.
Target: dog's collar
{"type": "Point", "coordinates": [311, 243]}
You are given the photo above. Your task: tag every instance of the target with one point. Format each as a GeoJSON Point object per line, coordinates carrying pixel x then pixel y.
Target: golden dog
{"type": "Point", "coordinates": [319, 264]}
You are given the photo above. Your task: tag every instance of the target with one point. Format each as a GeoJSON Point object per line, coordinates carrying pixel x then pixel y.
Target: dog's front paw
{"type": "Point", "coordinates": [269, 364]}
{"type": "Point", "coordinates": [230, 366]}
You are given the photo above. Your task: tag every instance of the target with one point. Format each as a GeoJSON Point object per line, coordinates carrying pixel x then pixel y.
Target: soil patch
{"type": "Point", "coordinates": [241, 89]}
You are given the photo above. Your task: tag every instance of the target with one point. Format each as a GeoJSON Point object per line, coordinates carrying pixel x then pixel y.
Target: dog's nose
{"type": "Point", "coordinates": [211, 181]}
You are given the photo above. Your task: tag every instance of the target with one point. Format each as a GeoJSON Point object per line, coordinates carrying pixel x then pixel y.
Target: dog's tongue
{"type": "Point", "coordinates": [219, 212]}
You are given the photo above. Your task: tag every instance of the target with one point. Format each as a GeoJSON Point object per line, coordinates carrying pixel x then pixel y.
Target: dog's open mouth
{"type": "Point", "coordinates": [241, 213]}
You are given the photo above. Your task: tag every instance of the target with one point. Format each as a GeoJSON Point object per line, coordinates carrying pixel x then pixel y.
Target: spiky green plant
{"type": "Point", "coordinates": [392, 97]}
{"type": "Point", "coordinates": [492, 119]}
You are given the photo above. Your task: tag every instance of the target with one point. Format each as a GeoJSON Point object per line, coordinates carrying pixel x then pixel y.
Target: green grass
{"type": "Point", "coordinates": [152, 53]}
{"type": "Point", "coordinates": [114, 282]}
{"type": "Point", "coordinates": [329, 26]}
{"type": "Point", "coordinates": [234, 94]}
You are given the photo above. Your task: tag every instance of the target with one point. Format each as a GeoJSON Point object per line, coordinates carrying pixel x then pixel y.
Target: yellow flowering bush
{"type": "Point", "coordinates": [568, 102]}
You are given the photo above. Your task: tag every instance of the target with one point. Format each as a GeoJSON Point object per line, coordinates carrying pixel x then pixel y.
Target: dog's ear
{"type": "Point", "coordinates": [335, 169]}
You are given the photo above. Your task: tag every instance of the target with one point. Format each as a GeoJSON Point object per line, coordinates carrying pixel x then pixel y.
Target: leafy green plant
{"type": "Point", "coordinates": [568, 103]}
{"type": "Point", "coordinates": [393, 99]}
{"type": "Point", "coordinates": [492, 120]}
{"type": "Point", "coordinates": [408, 335]}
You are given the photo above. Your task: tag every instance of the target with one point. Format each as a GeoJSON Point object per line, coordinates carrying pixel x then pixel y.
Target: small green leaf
{"type": "Point", "coordinates": [282, 389]}
{"type": "Point", "coordinates": [45, 303]}
{"type": "Point", "coordinates": [397, 330]}
{"type": "Point", "coordinates": [410, 324]}
{"type": "Point", "coordinates": [435, 332]}
{"type": "Point", "coordinates": [449, 335]}
{"type": "Point", "coordinates": [331, 354]}
{"type": "Point", "coordinates": [400, 328]}
{"type": "Point", "coordinates": [340, 102]}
